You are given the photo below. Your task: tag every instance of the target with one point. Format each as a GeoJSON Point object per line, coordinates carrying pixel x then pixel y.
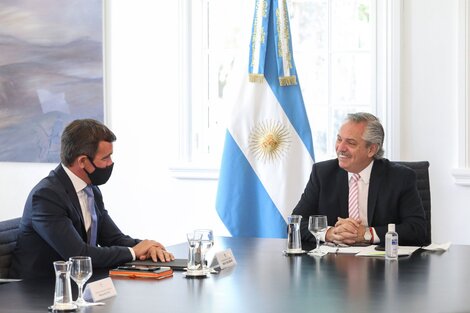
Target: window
{"type": "Point", "coordinates": [339, 54]}
{"type": "Point", "coordinates": [333, 44]}
{"type": "Point", "coordinates": [462, 172]}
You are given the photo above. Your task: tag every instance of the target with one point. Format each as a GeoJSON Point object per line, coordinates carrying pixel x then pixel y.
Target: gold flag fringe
{"type": "Point", "coordinates": [256, 78]}
{"type": "Point", "coordinates": [288, 80]}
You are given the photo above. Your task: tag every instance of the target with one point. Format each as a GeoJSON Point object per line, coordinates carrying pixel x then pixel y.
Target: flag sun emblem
{"type": "Point", "coordinates": [269, 140]}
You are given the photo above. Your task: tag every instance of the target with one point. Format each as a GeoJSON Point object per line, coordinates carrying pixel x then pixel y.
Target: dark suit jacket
{"type": "Point", "coordinates": [393, 198]}
{"type": "Point", "coordinates": [52, 229]}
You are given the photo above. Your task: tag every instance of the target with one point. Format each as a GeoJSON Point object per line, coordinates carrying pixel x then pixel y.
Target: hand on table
{"type": "Point", "coordinates": [150, 249]}
{"type": "Point", "coordinates": [346, 231]}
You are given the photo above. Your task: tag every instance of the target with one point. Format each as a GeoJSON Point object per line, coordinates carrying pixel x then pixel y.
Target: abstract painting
{"type": "Point", "coordinates": [51, 72]}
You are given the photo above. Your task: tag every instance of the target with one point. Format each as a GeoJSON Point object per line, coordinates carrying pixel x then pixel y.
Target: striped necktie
{"type": "Point", "coordinates": [354, 196]}
{"type": "Point", "coordinates": [91, 208]}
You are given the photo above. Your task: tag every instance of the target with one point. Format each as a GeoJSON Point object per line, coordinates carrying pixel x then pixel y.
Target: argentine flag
{"type": "Point", "coordinates": [268, 152]}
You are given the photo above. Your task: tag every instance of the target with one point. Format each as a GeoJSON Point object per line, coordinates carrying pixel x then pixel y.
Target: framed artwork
{"type": "Point", "coordinates": [51, 72]}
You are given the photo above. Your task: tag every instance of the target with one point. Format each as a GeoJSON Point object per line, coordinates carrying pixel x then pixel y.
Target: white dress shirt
{"type": "Point", "coordinates": [363, 186]}
{"type": "Point", "coordinates": [79, 186]}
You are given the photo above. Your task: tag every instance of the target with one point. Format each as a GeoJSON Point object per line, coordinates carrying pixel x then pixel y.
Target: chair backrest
{"type": "Point", "coordinates": [9, 231]}
{"type": "Point", "coordinates": [421, 169]}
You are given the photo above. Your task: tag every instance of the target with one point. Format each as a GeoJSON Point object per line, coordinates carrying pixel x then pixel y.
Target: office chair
{"type": "Point", "coordinates": [9, 231]}
{"type": "Point", "coordinates": [421, 169]}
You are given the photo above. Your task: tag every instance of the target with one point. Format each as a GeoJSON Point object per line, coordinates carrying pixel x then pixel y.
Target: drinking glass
{"type": "Point", "coordinates": [81, 270]}
{"type": "Point", "coordinates": [316, 225]}
{"type": "Point", "coordinates": [207, 241]}
{"type": "Point", "coordinates": [294, 243]}
{"type": "Point", "coordinates": [194, 257]}
{"type": "Point", "coordinates": [63, 290]}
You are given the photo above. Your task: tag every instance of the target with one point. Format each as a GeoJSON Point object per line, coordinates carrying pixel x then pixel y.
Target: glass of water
{"type": "Point", "coordinates": [207, 241]}
{"type": "Point", "coordinates": [80, 271]}
{"type": "Point", "coordinates": [294, 244]}
{"type": "Point", "coordinates": [194, 258]}
{"type": "Point", "coordinates": [316, 225]}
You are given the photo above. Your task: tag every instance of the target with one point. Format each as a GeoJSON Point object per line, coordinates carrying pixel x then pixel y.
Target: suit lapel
{"type": "Point", "coordinates": [376, 177]}
{"type": "Point", "coordinates": [71, 193]}
{"type": "Point", "coordinates": [342, 178]}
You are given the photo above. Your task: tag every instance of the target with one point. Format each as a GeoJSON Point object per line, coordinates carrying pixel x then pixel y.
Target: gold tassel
{"type": "Point", "coordinates": [288, 81]}
{"type": "Point", "coordinates": [256, 78]}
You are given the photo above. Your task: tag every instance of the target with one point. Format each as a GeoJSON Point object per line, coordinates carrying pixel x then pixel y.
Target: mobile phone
{"type": "Point", "coordinates": [139, 268]}
{"type": "Point", "coordinates": [380, 248]}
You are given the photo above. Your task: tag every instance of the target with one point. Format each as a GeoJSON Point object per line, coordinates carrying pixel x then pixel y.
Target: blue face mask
{"type": "Point", "coordinates": [100, 175]}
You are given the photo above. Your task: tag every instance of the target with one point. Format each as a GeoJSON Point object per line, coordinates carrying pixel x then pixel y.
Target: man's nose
{"type": "Point", "coordinates": [341, 147]}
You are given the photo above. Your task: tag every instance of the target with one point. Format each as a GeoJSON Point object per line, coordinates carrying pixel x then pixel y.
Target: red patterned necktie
{"type": "Point", "coordinates": [354, 196]}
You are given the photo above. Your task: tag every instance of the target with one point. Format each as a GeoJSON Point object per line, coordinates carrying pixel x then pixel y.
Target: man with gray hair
{"type": "Point", "coordinates": [360, 192]}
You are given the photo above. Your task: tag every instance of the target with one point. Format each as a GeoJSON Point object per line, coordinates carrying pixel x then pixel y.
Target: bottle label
{"type": "Point", "coordinates": [391, 246]}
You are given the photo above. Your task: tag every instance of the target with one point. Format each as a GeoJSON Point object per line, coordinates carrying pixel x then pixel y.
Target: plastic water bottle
{"type": "Point", "coordinates": [391, 243]}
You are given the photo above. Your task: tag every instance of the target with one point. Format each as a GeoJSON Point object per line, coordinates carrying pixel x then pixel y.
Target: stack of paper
{"type": "Point", "coordinates": [438, 247]}
{"type": "Point", "coordinates": [340, 249]}
{"type": "Point", "coordinates": [365, 250]}
{"type": "Point", "coordinates": [402, 251]}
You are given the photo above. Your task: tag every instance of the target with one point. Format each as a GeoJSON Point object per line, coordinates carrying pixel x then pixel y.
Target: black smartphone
{"type": "Point", "coordinates": [143, 268]}
{"type": "Point", "coordinates": [380, 248]}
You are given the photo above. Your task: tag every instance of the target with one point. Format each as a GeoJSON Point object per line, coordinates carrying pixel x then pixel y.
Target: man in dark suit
{"type": "Point", "coordinates": [386, 193]}
{"type": "Point", "coordinates": [65, 216]}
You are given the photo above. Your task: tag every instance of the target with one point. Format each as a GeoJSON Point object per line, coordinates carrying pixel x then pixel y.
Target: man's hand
{"type": "Point", "coordinates": [150, 249]}
{"type": "Point", "coordinates": [346, 231]}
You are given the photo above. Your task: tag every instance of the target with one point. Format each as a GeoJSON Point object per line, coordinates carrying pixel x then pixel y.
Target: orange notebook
{"type": "Point", "coordinates": [159, 273]}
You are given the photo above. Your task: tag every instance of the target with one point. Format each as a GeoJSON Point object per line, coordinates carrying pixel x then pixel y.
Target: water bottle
{"type": "Point", "coordinates": [391, 243]}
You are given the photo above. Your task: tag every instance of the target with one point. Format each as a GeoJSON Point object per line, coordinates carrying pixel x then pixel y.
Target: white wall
{"type": "Point", "coordinates": [429, 109]}
{"type": "Point", "coordinates": [142, 196]}
{"type": "Point", "coordinates": [147, 202]}
{"type": "Point", "coordinates": [16, 180]}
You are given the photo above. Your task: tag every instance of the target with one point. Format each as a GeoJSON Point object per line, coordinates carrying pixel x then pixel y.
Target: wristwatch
{"type": "Point", "coordinates": [368, 234]}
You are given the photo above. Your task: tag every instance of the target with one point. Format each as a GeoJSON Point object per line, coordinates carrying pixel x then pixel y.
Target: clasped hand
{"type": "Point", "coordinates": [346, 231]}
{"type": "Point", "coordinates": [150, 249]}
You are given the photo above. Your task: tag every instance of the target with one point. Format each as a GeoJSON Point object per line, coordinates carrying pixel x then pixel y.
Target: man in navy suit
{"type": "Point", "coordinates": [61, 220]}
{"type": "Point", "coordinates": [387, 192]}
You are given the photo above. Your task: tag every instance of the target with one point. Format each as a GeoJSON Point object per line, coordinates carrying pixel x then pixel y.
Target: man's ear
{"type": "Point", "coordinates": [373, 149]}
{"type": "Point", "coordinates": [81, 161]}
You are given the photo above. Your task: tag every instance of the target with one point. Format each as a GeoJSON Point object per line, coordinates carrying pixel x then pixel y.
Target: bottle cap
{"type": "Point", "coordinates": [391, 227]}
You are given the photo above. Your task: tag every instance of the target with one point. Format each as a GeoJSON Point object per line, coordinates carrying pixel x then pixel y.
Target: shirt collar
{"type": "Point", "coordinates": [365, 173]}
{"type": "Point", "coordinates": [77, 182]}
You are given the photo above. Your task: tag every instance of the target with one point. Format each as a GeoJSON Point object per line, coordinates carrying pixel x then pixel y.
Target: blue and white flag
{"type": "Point", "coordinates": [268, 152]}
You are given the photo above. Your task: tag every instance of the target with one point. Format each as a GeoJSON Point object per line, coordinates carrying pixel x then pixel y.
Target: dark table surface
{"type": "Point", "coordinates": [265, 280]}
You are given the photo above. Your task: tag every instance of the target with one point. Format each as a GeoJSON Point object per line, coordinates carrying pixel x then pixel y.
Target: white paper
{"type": "Point", "coordinates": [438, 247]}
{"type": "Point", "coordinates": [402, 251]}
{"type": "Point", "coordinates": [339, 249]}
{"type": "Point", "coordinates": [225, 259]}
{"type": "Point", "coordinates": [99, 290]}
{"type": "Point", "coordinates": [8, 280]}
